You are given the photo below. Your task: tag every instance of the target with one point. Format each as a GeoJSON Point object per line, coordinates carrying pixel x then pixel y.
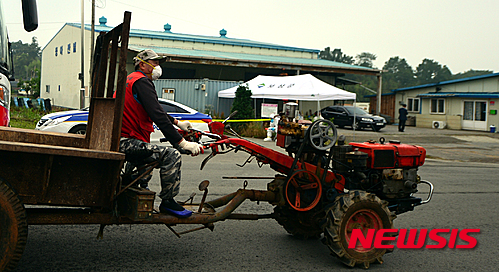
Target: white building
{"type": "Point", "coordinates": [468, 103]}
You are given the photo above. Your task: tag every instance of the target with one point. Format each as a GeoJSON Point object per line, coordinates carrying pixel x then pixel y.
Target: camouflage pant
{"type": "Point", "coordinates": [139, 153]}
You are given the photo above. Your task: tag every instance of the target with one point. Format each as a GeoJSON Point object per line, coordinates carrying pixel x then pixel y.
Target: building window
{"type": "Point", "coordinates": [69, 48]}
{"type": "Point", "coordinates": [413, 104]}
{"type": "Point", "coordinates": [47, 88]}
{"type": "Point", "coordinates": [437, 106]}
{"type": "Point", "coordinates": [74, 47]}
{"type": "Point", "coordinates": [169, 93]}
{"type": "Point", "coordinates": [60, 51]}
{"type": "Point", "coordinates": [56, 51]}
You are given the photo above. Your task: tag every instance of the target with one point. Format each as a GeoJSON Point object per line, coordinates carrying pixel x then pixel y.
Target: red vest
{"type": "Point", "coordinates": [136, 123]}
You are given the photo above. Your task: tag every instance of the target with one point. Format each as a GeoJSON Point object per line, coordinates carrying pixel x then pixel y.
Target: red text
{"type": "Point", "coordinates": [412, 238]}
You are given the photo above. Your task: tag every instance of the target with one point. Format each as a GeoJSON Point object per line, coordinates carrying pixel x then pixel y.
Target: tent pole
{"type": "Point", "coordinates": [378, 96]}
{"type": "Point", "coordinates": [354, 117]}
{"type": "Point", "coordinates": [254, 99]}
{"type": "Point", "coordinates": [318, 109]}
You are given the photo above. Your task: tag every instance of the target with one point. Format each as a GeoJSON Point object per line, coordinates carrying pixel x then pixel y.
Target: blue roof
{"type": "Point", "coordinates": [446, 82]}
{"type": "Point", "coordinates": [230, 56]}
{"type": "Point", "coordinates": [458, 94]}
{"type": "Point", "coordinates": [167, 35]}
{"type": "Point", "coordinates": [226, 56]}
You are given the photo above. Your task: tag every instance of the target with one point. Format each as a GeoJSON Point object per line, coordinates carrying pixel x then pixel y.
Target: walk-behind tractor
{"type": "Point", "coordinates": [327, 188]}
{"type": "Point", "coordinates": [323, 186]}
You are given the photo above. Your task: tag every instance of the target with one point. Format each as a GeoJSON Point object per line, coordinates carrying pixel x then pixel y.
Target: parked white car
{"type": "Point", "coordinates": [75, 121]}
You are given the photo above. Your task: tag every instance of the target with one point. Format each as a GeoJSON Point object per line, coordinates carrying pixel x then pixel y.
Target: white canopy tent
{"type": "Point", "coordinates": [301, 87]}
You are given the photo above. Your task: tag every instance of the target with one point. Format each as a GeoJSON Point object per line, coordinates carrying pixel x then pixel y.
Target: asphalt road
{"type": "Point", "coordinates": [466, 194]}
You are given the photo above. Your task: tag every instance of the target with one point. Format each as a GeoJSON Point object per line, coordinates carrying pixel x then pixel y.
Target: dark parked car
{"type": "Point", "coordinates": [343, 116]}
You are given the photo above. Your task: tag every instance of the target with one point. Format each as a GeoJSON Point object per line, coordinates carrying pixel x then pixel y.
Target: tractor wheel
{"type": "Point", "coordinates": [13, 228]}
{"type": "Point", "coordinates": [303, 225]}
{"type": "Point", "coordinates": [356, 210]}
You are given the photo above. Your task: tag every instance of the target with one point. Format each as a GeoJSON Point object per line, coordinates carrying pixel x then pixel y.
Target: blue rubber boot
{"type": "Point", "coordinates": [170, 206]}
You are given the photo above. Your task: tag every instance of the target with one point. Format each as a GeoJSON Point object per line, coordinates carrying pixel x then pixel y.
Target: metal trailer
{"type": "Point", "coordinates": [42, 170]}
{"type": "Point", "coordinates": [50, 178]}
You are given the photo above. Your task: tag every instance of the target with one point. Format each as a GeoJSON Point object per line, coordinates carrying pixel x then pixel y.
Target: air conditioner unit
{"type": "Point", "coordinates": [438, 124]}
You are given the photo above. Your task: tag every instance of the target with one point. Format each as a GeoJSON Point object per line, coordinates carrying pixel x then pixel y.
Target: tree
{"type": "Point", "coordinates": [336, 56]}
{"type": "Point", "coordinates": [242, 103]}
{"type": "Point", "coordinates": [26, 58]}
{"type": "Point", "coordinates": [471, 73]}
{"type": "Point", "coordinates": [399, 74]}
{"type": "Point", "coordinates": [365, 59]}
{"type": "Point", "coordinates": [32, 86]}
{"type": "Point", "coordinates": [430, 71]}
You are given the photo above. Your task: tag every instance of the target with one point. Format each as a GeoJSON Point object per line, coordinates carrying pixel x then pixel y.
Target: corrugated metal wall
{"type": "Point", "coordinates": [190, 92]}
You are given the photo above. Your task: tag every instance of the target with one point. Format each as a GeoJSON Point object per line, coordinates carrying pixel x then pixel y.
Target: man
{"type": "Point", "coordinates": [402, 117]}
{"type": "Point", "coordinates": [141, 109]}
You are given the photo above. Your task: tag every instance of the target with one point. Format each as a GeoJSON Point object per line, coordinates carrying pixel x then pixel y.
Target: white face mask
{"type": "Point", "coordinates": [157, 72]}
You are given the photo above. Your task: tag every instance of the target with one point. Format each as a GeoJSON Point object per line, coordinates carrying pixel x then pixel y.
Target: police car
{"type": "Point", "coordinates": [75, 121]}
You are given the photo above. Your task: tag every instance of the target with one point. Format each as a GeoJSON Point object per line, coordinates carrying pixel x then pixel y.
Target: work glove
{"type": "Point", "coordinates": [194, 148]}
{"type": "Point", "coordinates": [185, 126]}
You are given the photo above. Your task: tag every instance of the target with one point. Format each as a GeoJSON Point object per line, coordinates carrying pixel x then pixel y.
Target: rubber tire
{"type": "Point", "coordinates": [336, 219]}
{"type": "Point", "coordinates": [79, 129]}
{"type": "Point", "coordinates": [302, 225]}
{"type": "Point", "coordinates": [14, 228]}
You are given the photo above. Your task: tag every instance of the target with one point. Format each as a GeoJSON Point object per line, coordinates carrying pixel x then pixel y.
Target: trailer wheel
{"type": "Point", "coordinates": [356, 210]}
{"type": "Point", "coordinates": [302, 225]}
{"type": "Point", "coordinates": [13, 228]}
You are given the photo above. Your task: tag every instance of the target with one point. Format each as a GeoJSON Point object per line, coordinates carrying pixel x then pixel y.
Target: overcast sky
{"type": "Point", "coordinates": [461, 34]}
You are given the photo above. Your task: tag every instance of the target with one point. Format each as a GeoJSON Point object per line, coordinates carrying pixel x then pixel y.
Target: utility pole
{"type": "Point", "coordinates": [81, 76]}
{"type": "Point", "coordinates": [378, 100]}
{"type": "Point", "coordinates": [92, 41]}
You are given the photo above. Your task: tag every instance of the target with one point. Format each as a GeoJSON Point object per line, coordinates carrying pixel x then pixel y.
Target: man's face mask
{"type": "Point", "coordinates": [156, 72]}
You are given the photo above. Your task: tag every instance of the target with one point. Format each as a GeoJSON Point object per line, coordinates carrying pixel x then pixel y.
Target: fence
{"type": "Point", "coordinates": [39, 103]}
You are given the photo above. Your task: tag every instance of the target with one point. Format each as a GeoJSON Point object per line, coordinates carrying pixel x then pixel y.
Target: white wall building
{"type": "Point", "coordinates": [468, 103]}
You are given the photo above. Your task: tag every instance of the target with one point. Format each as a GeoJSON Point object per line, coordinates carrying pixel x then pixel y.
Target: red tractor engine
{"type": "Point", "coordinates": [388, 170]}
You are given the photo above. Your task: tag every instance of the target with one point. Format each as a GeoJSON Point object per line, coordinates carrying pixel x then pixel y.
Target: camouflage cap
{"type": "Point", "coordinates": [147, 54]}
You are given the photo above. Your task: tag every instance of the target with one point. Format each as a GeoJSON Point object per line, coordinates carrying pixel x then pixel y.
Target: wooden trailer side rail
{"type": "Point", "coordinates": [106, 111]}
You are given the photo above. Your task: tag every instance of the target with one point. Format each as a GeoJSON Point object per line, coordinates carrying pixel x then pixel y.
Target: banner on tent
{"type": "Point", "coordinates": [269, 110]}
